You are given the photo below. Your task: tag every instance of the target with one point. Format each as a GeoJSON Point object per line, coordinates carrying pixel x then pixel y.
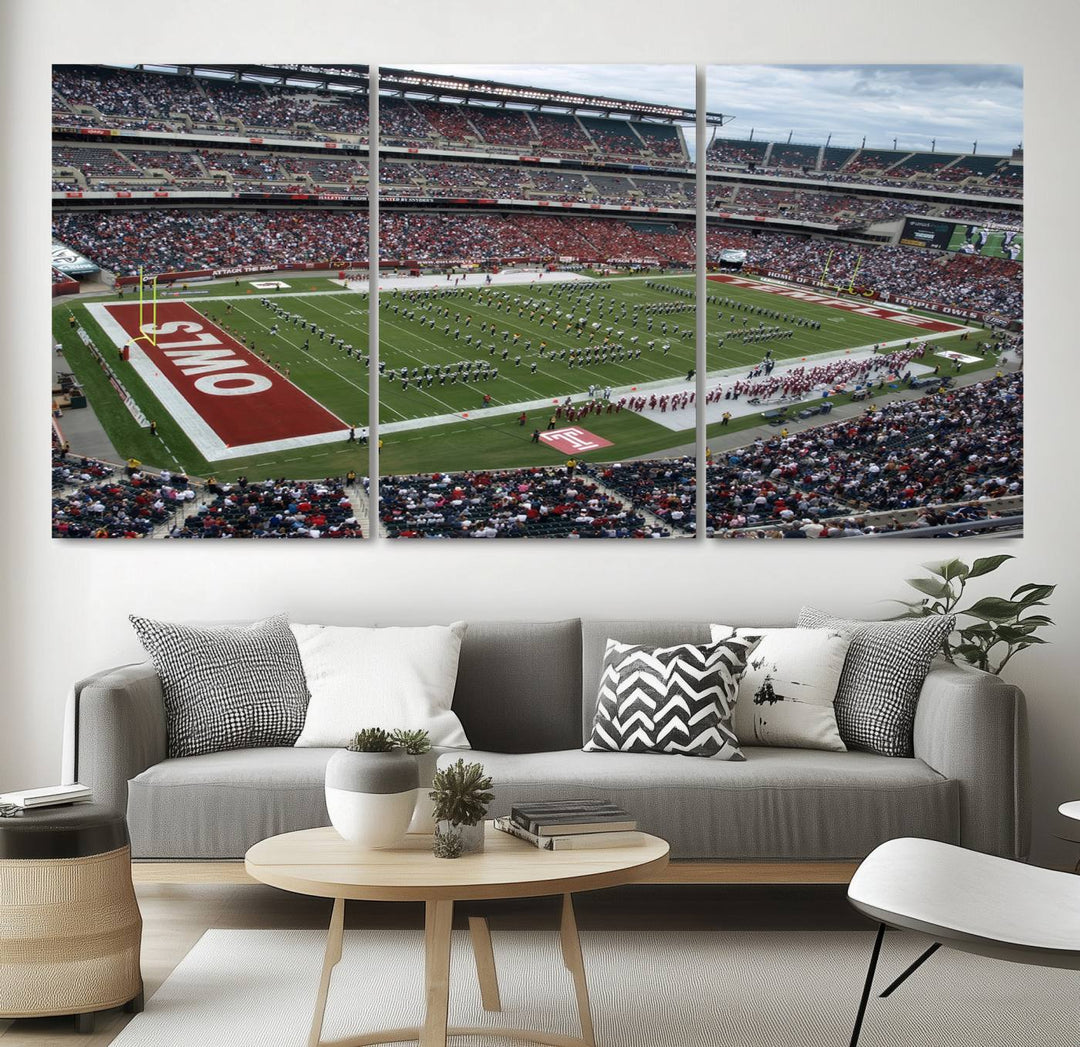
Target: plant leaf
{"type": "Point", "coordinates": [1034, 593]}
{"type": "Point", "coordinates": [994, 609]}
{"type": "Point", "coordinates": [930, 586]}
{"type": "Point", "coordinates": [951, 569]}
{"type": "Point", "coordinates": [986, 564]}
{"type": "Point", "coordinates": [1037, 619]}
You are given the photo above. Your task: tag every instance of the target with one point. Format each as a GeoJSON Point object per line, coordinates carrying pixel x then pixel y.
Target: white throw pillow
{"type": "Point", "coordinates": [786, 693]}
{"type": "Point", "coordinates": [391, 677]}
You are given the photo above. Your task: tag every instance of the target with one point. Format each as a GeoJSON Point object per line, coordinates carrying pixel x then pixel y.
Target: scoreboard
{"type": "Point", "coordinates": [994, 241]}
{"type": "Point", "coordinates": [927, 232]}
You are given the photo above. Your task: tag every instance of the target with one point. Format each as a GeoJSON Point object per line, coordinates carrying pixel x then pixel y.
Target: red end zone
{"type": "Point", "coordinates": [879, 312]}
{"type": "Point", "coordinates": [228, 400]}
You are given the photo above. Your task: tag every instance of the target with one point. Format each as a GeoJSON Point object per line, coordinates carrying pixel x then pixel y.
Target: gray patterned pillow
{"type": "Point", "coordinates": [227, 687]}
{"type": "Point", "coordinates": [670, 699]}
{"type": "Point", "coordinates": [883, 675]}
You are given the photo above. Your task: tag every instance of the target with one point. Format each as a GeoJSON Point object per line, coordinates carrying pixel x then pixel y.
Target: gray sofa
{"type": "Point", "coordinates": [525, 695]}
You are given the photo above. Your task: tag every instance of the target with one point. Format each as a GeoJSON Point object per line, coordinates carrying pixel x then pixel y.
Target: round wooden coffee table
{"type": "Point", "coordinates": [319, 862]}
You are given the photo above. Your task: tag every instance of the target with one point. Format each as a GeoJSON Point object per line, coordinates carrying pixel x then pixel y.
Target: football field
{"type": "Point", "coordinates": [267, 382]}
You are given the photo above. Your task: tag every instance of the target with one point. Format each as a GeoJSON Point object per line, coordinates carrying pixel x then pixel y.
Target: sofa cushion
{"type": "Point", "coordinates": [594, 637]}
{"type": "Point", "coordinates": [219, 804]}
{"type": "Point", "coordinates": [396, 677]}
{"type": "Point", "coordinates": [883, 675]}
{"type": "Point", "coordinates": [518, 685]}
{"type": "Point", "coordinates": [787, 692]}
{"type": "Point", "coordinates": [675, 699]}
{"type": "Point", "coordinates": [227, 687]}
{"type": "Point", "coordinates": [780, 804]}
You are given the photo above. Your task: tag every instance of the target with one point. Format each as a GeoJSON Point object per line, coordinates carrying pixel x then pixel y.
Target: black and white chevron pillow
{"type": "Point", "coordinates": [670, 699]}
{"type": "Point", "coordinates": [227, 687]}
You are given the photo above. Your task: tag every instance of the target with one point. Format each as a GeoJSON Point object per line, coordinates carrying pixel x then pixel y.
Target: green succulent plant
{"type": "Point", "coordinates": [371, 740]}
{"type": "Point", "coordinates": [377, 740]}
{"type": "Point", "coordinates": [415, 743]}
{"type": "Point", "coordinates": [461, 793]}
{"type": "Point", "coordinates": [447, 843]}
{"type": "Point", "coordinates": [1002, 627]}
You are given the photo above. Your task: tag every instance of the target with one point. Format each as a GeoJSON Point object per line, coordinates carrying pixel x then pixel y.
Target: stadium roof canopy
{"type": "Point", "coordinates": [440, 87]}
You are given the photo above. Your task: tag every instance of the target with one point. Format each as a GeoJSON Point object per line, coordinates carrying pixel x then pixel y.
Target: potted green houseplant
{"type": "Point", "coordinates": [460, 794]}
{"type": "Point", "coordinates": [372, 786]}
{"type": "Point", "coordinates": [990, 631]}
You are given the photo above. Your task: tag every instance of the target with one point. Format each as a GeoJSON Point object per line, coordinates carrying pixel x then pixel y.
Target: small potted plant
{"type": "Point", "coordinates": [460, 794]}
{"type": "Point", "coordinates": [372, 786]}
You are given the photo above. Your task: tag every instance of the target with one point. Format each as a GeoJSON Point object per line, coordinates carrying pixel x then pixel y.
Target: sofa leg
{"type": "Point", "coordinates": [84, 1023]}
{"type": "Point", "coordinates": [135, 1004]}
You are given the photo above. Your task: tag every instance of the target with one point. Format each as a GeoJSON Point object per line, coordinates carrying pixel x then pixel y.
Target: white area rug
{"type": "Point", "coordinates": [257, 989]}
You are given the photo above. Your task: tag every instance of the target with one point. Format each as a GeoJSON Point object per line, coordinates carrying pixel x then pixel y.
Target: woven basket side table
{"type": "Point", "coordinates": [70, 928]}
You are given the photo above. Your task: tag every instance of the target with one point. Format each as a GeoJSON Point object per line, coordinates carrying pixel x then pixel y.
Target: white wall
{"type": "Point", "coordinates": [66, 603]}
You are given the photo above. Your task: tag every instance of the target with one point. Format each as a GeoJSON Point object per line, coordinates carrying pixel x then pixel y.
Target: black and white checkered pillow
{"type": "Point", "coordinates": [883, 675]}
{"type": "Point", "coordinates": [670, 699]}
{"type": "Point", "coordinates": [227, 687]}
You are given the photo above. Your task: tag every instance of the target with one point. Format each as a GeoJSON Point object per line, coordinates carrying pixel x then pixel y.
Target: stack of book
{"type": "Point", "coordinates": [50, 796]}
{"type": "Point", "coordinates": [566, 825]}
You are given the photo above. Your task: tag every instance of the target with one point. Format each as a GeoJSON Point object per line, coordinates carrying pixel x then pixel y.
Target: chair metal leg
{"type": "Point", "coordinates": [912, 969]}
{"type": "Point", "coordinates": [868, 986]}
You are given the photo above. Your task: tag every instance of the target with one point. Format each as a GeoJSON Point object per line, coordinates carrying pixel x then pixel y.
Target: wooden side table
{"type": "Point", "coordinates": [70, 927]}
{"type": "Point", "coordinates": [319, 862]}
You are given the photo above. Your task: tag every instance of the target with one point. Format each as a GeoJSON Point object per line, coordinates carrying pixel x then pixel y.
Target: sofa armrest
{"type": "Point", "coordinates": [971, 726]}
{"type": "Point", "coordinates": [115, 730]}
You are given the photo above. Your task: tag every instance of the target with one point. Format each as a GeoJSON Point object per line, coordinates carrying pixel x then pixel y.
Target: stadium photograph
{"type": "Point", "coordinates": [538, 364]}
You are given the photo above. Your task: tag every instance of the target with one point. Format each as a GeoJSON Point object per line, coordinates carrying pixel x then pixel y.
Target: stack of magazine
{"type": "Point", "coordinates": [566, 825]}
{"type": "Point", "coordinates": [50, 796]}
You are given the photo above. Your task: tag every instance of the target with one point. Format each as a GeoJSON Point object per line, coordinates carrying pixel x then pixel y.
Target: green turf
{"type": "Point", "coordinates": [340, 382]}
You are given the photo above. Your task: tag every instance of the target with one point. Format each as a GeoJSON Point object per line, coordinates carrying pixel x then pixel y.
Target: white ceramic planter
{"type": "Point", "coordinates": [371, 797]}
{"type": "Point", "coordinates": [423, 819]}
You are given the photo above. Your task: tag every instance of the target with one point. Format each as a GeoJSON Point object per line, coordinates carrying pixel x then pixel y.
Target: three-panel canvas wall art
{"type": "Point", "coordinates": [535, 356]}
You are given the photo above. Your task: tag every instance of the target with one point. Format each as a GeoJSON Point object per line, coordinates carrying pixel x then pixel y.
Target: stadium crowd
{"type": "Point", "coordinates": [961, 445]}
{"type": "Point", "coordinates": [94, 499]}
{"type": "Point", "coordinates": [176, 240]}
{"type": "Point", "coordinates": [182, 103]}
{"type": "Point", "coordinates": [91, 501]}
{"type": "Point", "coordinates": [951, 280]}
{"type": "Point", "coordinates": [274, 509]}
{"type": "Point", "coordinates": [521, 503]}
{"type": "Point", "coordinates": [985, 176]}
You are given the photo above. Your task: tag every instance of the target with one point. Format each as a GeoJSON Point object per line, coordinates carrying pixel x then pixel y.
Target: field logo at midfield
{"type": "Point", "coordinates": [573, 440]}
{"type": "Point", "coordinates": [879, 312]}
{"type": "Point", "coordinates": [229, 401]}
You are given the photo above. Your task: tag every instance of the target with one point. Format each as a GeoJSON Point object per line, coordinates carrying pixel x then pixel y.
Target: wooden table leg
{"type": "Point", "coordinates": [438, 920]}
{"type": "Point", "coordinates": [484, 955]}
{"type": "Point", "coordinates": [571, 950]}
{"type": "Point", "coordinates": [330, 959]}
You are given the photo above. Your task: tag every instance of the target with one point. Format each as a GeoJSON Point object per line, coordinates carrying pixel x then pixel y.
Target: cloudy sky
{"type": "Point", "coordinates": [954, 104]}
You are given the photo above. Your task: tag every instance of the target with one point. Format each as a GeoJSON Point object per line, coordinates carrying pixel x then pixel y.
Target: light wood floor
{"type": "Point", "coordinates": [176, 915]}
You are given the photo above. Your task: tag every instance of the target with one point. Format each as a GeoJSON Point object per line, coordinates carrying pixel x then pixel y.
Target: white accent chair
{"type": "Point", "coordinates": [966, 900]}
